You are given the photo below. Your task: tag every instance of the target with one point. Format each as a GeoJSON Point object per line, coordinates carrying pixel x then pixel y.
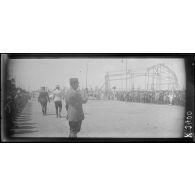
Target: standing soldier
{"type": "Point", "coordinates": [43, 99]}
{"type": "Point", "coordinates": [74, 101]}
{"type": "Point", "coordinates": [57, 96]}
{"type": "Point", "coordinates": [171, 96]}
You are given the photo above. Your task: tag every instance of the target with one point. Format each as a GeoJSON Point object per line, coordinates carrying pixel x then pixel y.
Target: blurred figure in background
{"type": "Point", "coordinates": [74, 101]}
{"type": "Point", "coordinates": [171, 96]}
{"type": "Point", "coordinates": [50, 96]}
{"type": "Point", "coordinates": [57, 96]}
{"type": "Point", "coordinates": [43, 99]}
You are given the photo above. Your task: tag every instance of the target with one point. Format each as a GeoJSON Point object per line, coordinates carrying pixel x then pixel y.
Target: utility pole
{"type": "Point", "coordinates": [126, 74]}
{"type": "Point", "coordinates": [86, 73]}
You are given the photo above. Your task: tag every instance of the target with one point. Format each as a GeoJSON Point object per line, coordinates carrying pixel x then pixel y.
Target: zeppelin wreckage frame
{"type": "Point", "coordinates": [158, 77]}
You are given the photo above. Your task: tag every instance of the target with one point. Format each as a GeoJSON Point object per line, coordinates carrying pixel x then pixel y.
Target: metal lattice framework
{"type": "Point", "coordinates": [121, 76]}
{"type": "Point", "coordinates": [161, 77]}
{"type": "Point", "coordinates": [157, 77]}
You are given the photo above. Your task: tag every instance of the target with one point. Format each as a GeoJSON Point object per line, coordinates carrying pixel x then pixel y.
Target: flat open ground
{"type": "Point", "coordinates": [104, 119]}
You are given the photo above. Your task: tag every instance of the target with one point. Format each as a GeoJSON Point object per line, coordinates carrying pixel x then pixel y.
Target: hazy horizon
{"type": "Point", "coordinates": [31, 74]}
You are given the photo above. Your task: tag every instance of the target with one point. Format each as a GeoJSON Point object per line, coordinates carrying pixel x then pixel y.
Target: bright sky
{"type": "Point", "coordinates": [34, 73]}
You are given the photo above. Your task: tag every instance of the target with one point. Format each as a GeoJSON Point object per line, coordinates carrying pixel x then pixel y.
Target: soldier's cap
{"type": "Point", "coordinates": [74, 80]}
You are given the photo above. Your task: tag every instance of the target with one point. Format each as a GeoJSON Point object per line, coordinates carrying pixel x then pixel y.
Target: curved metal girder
{"type": "Point", "coordinates": [114, 75]}
{"type": "Point", "coordinates": [165, 70]}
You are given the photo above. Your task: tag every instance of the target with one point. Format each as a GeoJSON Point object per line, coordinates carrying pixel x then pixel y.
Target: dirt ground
{"type": "Point", "coordinates": [105, 119]}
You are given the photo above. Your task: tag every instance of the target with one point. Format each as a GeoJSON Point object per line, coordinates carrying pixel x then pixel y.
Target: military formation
{"type": "Point", "coordinates": [155, 97]}
{"type": "Point", "coordinates": [141, 96]}
{"type": "Point", "coordinates": [15, 99]}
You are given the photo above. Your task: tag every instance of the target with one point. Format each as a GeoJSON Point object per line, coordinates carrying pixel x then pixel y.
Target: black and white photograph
{"type": "Point", "coordinates": [97, 97]}
{"type": "Point", "coordinates": [94, 97]}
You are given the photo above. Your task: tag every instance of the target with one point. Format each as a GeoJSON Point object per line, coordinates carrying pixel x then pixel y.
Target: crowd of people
{"type": "Point", "coordinates": [176, 97]}
{"type": "Point", "coordinates": [15, 99]}
{"type": "Point", "coordinates": [155, 97]}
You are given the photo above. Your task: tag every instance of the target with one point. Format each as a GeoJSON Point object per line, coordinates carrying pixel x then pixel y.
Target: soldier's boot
{"type": "Point", "coordinates": [56, 113]}
{"type": "Point", "coordinates": [60, 109]}
{"type": "Point", "coordinates": [72, 134]}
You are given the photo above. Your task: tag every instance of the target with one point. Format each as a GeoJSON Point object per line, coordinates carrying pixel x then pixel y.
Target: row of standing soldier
{"type": "Point", "coordinates": [156, 97]}
{"type": "Point", "coordinates": [15, 99]}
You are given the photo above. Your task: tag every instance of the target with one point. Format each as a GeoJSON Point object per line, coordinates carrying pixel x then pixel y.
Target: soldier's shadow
{"type": "Point", "coordinates": [26, 124]}
{"type": "Point", "coordinates": [23, 120]}
{"type": "Point", "coordinates": [23, 131]}
{"type": "Point", "coordinates": [18, 129]}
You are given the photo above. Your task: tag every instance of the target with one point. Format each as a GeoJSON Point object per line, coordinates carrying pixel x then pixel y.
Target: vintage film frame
{"type": "Point", "coordinates": [189, 133]}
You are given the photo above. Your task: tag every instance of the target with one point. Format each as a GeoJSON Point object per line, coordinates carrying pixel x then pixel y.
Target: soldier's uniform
{"type": "Point", "coordinates": [58, 100]}
{"type": "Point", "coordinates": [74, 108]}
{"type": "Point", "coordinates": [43, 99]}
